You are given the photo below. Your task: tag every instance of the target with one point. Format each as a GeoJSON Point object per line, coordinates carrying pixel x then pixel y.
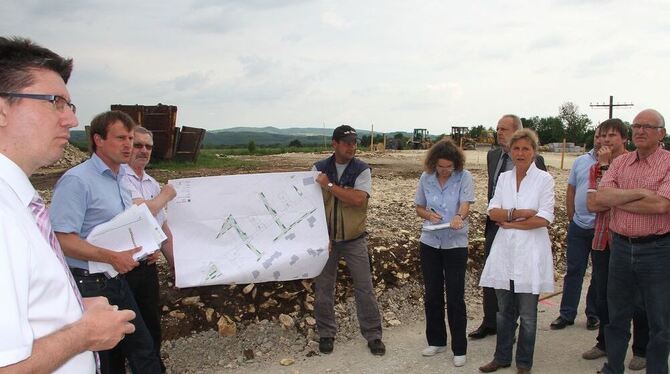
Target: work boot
{"type": "Point", "coordinates": [492, 366]}
{"type": "Point", "coordinates": [592, 323]}
{"type": "Point", "coordinates": [594, 353]}
{"type": "Point", "coordinates": [377, 347]}
{"type": "Point", "coordinates": [560, 323]}
{"type": "Point", "coordinates": [326, 345]}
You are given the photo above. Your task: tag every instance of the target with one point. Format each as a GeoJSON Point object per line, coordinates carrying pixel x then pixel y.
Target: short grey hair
{"type": "Point", "coordinates": [144, 130]}
{"type": "Point", "coordinates": [515, 120]}
{"type": "Point", "coordinates": [527, 134]}
{"type": "Point", "coordinates": [661, 120]}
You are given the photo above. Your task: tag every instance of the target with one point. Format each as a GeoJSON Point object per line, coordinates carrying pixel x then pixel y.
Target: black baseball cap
{"type": "Point", "coordinates": [344, 132]}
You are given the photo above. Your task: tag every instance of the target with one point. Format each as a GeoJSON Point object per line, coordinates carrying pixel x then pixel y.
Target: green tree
{"type": "Point", "coordinates": [530, 123]}
{"type": "Point", "coordinates": [295, 143]}
{"type": "Point", "coordinates": [476, 131]}
{"type": "Point", "coordinates": [550, 130]}
{"type": "Point", "coordinates": [251, 146]}
{"type": "Point", "coordinates": [575, 124]}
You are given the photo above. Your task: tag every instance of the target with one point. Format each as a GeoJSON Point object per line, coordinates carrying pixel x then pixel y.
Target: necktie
{"type": "Point", "coordinates": [503, 167]}
{"type": "Point", "coordinates": [41, 214]}
{"type": "Point", "coordinates": [42, 218]}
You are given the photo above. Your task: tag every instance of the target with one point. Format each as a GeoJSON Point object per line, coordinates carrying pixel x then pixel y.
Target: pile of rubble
{"type": "Point", "coordinates": [72, 156]}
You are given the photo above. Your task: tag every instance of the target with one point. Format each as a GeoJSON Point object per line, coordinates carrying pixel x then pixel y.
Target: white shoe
{"type": "Point", "coordinates": [459, 361]}
{"type": "Point", "coordinates": [432, 350]}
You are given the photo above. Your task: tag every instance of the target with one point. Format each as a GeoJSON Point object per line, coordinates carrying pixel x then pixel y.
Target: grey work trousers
{"type": "Point", "coordinates": [355, 254]}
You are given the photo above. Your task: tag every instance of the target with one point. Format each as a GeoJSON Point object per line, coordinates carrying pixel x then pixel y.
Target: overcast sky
{"type": "Point", "coordinates": [394, 64]}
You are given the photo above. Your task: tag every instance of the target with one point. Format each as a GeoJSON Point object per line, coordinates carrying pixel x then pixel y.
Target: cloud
{"type": "Point", "coordinates": [546, 42]}
{"type": "Point", "coordinates": [332, 19]}
{"type": "Point", "coordinates": [255, 66]}
{"type": "Point", "coordinates": [191, 81]}
{"type": "Point", "coordinates": [211, 19]}
{"type": "Point", "coordinates": [247, 4]}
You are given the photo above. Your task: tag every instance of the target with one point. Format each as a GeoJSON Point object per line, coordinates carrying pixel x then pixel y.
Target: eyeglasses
{"type": "Point", "coordinates": [645, 127]}
{"type": "Point", "coordinates": [142, 145]}
{"type": "Point", "coordinates": [59, 102]}
{"type": "Point", "coordinates": [451, 167]}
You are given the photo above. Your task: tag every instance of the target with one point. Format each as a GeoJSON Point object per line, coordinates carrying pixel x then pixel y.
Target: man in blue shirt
{"type": "Point", "coordinates": [580, 236]}
{"type": "Point", "coordinates": [90, 194]}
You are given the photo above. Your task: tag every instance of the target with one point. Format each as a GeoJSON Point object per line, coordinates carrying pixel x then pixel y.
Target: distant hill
{"type": "Point", "coordinates": [241, 136]}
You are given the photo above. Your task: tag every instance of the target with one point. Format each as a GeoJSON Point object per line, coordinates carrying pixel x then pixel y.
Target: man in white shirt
{"type": "Point", "coordinates": [143, 280]}
{"type": "Point", "coordinates": [46, 325]}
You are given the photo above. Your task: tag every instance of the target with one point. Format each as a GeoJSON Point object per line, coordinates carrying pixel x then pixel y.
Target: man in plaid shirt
{"type": "Point", "coordinates": [612, 135]}
{"type": "Point", "coordinates": [636, 188]}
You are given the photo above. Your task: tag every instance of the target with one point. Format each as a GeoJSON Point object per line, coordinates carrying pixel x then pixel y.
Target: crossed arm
{"type": "Point", "coordinates": [522, 219]}
{"type": "Point", "coordinates": [636, 200]}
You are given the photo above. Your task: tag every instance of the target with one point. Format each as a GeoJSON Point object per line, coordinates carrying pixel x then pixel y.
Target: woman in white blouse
{"type": "Point", "coordinates": [520, 265]}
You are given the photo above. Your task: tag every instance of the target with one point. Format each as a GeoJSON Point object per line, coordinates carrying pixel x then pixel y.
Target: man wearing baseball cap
{"type": "Point", "coordinates": [347, 184]}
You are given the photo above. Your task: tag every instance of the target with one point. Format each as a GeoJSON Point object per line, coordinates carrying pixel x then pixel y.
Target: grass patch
{"type": "Point", "coordinates": [263, 151]}
{"type": "Point", "coordinates": [208, 159]}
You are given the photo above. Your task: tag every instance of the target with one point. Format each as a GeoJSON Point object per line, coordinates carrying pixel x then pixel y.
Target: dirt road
{"type": "Point", "coordinates": [556, 352]}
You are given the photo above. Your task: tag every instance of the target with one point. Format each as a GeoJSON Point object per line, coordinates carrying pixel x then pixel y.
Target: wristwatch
{"type": "Point", "coordinates": [330, 186]}
{"type": "Point", "coordinates": [604, 167]}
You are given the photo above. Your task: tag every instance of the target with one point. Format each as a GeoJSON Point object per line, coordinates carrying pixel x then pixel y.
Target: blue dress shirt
{"type": "Point", "coordinates": [85, 196]}
{"type": "Point", "coordinates": [445, 200]}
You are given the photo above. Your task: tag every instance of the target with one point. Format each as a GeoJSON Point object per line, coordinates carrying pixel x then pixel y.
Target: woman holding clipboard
{"type": "Point", "coordinates": [443, 200]}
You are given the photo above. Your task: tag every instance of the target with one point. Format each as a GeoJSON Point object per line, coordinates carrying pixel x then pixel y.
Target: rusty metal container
{"type": "Point", "coordinates": [161, 120]}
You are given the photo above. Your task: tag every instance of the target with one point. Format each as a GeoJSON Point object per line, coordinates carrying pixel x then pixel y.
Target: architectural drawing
{"type": "Point", "coordinates": [248, 228]}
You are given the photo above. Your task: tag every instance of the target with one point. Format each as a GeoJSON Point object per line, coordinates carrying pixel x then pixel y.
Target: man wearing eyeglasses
{"type": "Point", "coordinates": [144, 189]}
{"type": "Point", "coordinates": [46, 325]}
{"type": "Point", "coordinates": [347, 184]}
{"type": "Point", "coordinates": [636, 188]}
{"type": "Point", "coordinates": [90, 194]}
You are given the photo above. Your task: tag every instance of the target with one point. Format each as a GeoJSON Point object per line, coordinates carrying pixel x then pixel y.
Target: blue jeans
{"type": "Point", "coordinates": [639, 272]}
{"type": "Point", "coordinates": [578, 250]}
{"type": "Point", "coordinates": [511, 307]}
{"type": "Point", "coordinates": [601, 261]}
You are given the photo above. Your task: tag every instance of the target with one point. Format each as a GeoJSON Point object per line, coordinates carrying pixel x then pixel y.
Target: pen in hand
{"type": "Point", "coordinates": [439, 216]}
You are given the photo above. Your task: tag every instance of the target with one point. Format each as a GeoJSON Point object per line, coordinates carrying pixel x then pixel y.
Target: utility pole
{"type": "Point", "coordinates": [372, 137]}
{"type": "Point", "coordinates": [611, 105]}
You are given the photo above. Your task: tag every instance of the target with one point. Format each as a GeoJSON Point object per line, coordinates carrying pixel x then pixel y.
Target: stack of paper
{"type": "Point", "coordinates": [439, 226]}
{"type": "Point", "coordinates": [135, 227]}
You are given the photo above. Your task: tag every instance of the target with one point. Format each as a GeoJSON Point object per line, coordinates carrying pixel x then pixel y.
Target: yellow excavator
{"type": "Point", "coordinates": [460, 136]}
{"type": "Point", "coordinates": [420, 139]}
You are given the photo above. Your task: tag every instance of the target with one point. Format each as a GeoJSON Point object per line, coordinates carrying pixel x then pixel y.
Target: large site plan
{"type": "Point", "coordinates": [248, 228]}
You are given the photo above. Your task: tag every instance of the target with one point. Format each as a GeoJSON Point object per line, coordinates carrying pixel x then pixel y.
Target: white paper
{"type": "Point", "coordinates": [134, 227]}
{"type": "Point", "coordinates": [248, 228]}
{"type": "Point", "coordinates": [439, 226]}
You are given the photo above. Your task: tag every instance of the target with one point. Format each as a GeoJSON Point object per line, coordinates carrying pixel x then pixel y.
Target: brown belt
{"type": "Point", "coordinates": [642, 239]}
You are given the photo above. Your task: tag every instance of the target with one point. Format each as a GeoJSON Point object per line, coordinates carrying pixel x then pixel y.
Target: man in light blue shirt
{"type": "Point", "coordinates": [90, 194]}
{"type": "Point", "coordinates": [580, 237]}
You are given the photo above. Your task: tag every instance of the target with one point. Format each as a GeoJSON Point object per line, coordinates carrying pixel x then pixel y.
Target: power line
{"type": "Point", "coordinates": [611, 105]}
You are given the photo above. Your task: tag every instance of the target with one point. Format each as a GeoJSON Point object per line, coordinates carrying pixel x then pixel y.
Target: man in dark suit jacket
{"type": "Point", "coordinates": [497, 161]}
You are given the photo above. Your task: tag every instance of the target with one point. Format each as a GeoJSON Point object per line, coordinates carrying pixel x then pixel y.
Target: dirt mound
{"type": "Point", "coordinates": [72, 156]}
